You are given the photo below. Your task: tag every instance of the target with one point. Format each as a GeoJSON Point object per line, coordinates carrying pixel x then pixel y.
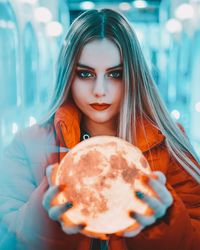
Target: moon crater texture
{"type": "Point", "coordinates": [100, 174]}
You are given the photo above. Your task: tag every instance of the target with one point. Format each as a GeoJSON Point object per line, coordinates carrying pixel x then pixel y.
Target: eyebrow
{"type": "Point", "coordinates": [88, 67]}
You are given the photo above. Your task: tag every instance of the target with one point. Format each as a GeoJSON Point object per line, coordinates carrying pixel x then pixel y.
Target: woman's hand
{"type": "Point", "coordinates": [55, 212]}
{"type": "Point", "coordinates": [158, 202]}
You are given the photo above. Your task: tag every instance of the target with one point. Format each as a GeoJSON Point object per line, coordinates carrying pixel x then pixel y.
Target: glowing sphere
{"type": "Point", "coordinates": [101, 174]}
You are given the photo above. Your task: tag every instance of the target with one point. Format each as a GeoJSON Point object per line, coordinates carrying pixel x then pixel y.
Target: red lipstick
{"type": "Point", "coordinates": [100, 107]}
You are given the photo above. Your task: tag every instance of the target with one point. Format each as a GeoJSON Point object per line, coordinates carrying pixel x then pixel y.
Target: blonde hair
{"type": "Point", "coordinates": [141, 98]}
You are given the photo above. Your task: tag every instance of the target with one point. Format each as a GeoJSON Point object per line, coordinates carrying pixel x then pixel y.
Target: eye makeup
{"type": "Point", "coordinates": [85, 74]}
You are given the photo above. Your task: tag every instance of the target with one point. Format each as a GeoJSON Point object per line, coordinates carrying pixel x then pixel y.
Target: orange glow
{"type": "Point", "coordinates": [101, 174]}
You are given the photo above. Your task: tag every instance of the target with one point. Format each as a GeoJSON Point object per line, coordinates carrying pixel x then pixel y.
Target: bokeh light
{"type": "Point", "coordinates": [125, 6]}
{"type": "Point", "coordinates": [54, 29]}
{"type": "Point", "coordinates": [175, 114]}
{"type": "Point", "coordinates": [184, 11]}
{"type": "Point", "coordinates": [140, 4]}
{"type": "Point", "coordinates": [197, 106]}
{"type": "Point", "coordinates": [87, 5]}
{"type": "Point", "coordinates": [42, 14]}
{"type": "Point", "coordinates": [173, 26]}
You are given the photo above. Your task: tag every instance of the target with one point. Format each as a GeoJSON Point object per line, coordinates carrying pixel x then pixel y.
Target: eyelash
{"type": "Point", "coordinates": [80, 72]}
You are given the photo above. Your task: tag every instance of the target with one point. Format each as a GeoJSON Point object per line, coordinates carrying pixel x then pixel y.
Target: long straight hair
{"type": "Point", "coordinates": [141, 97]}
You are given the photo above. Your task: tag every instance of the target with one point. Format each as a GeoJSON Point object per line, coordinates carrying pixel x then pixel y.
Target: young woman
{"type": "Point", "coordinates": [103, 88]}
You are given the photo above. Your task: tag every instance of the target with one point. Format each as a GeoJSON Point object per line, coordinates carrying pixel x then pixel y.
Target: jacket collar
{"type": "Point", "coordinates": [148, 135]}
{"type": "Point", "coordinates": [67, 124]}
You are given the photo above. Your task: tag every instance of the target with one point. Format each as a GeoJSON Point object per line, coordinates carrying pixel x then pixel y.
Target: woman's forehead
{"type": "Point", "coordinates": [99, 53]}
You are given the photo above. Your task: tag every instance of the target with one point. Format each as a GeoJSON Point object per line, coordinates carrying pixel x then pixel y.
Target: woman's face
{"type": "Point", "coordinates": [98, 87]}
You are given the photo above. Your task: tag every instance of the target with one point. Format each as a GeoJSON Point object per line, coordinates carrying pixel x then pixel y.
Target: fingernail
{"type": "Point", "coordinates": [82, 225]}
{"type": "Point", "coordinates": [69, 205]}
{"type": "Point", "coordinates": [139, 195]}
{"type": "Point", "coordinates": [61, 187]}
{"type": "Point", "coordinates": [132, 214]}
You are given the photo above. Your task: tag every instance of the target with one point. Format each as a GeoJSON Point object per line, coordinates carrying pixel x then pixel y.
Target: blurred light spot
{"type": "Point", "coordinates": [42, 14]}
{"type": "Point", "coordinates": [87, 5]}
{"type": "Point", "coordinates": [32, 121]}
{"type": "Point", "coordinates": [184, 11]}
{"type": "Point", "coordinates": [173, 26]}
{"type": "Point", "coordinates": [54, 29]}
{"type": "Point", "coordinates": [10, 25]}
{"type": "Point", "coordinates": [197, 106]}
{"type": "Point", "coordinates": [3, 23]}
{"type": "Point", "coordinates": [124, 6]}
{"type": "Point", "coordinates": [175, 114]}
{"type": "Point", "coordinates": [7, 24]}
{"type": "Point", "coordinates": [14, 128]}
{"type": "Point", "coordinates": [140, 4]}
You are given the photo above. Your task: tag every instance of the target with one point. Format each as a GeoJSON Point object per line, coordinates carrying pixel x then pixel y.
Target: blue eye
{"type": "Point", "coordinates": [84, 74]}
{"type": "Point", "coordinates": [117, 74]}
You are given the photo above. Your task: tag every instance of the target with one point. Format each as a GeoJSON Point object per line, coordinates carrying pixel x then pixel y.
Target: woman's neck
{"type": "Point", "coordinates": [95, 129]}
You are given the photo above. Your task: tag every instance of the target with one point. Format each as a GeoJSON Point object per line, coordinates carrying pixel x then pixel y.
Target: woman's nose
{"type": "Point", "coordinates": [99, 88]}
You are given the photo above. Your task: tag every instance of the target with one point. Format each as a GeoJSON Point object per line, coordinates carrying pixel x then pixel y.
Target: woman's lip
{"type": "Point", "coordinates": [100, 106]}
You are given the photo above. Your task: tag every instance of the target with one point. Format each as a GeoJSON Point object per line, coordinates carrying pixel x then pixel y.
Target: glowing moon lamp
{"type": "Point", "coordinates": [101, 174]}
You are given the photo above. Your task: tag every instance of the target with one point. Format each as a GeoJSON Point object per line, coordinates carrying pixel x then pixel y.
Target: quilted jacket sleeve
{"type": "Point", "coordinates": [23, 222]}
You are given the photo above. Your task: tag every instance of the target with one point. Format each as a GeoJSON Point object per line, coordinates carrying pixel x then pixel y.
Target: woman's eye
{"type": "Point", "coordinates": [116, 74]}
{"type": "Point", "coordinates": [84, 74]}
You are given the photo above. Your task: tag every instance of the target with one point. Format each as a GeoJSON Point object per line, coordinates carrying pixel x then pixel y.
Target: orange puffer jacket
{"type": "Point", "coordinates": [25, 224]}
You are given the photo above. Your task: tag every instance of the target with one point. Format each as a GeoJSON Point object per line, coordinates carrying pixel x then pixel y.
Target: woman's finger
{"type": "Point", "coordinates": [144, 220]}
{"type": "Point", "coordinates": [72, 229]}
{"type": "Point", "coordinates": [49, 170]}
{"type": "Point", "coordinates": [161, 176]}
{"type": "Point", "coordinates": [162, 192]}
{"type": "Point", "coordinates": [133, 233]}
{"type": "Point", "coordinates": [48, 173]}
{"type": "Point", "coordinates": [46, 202]}
{"type": "Point", "coordinates": [157, 207]}
{"type": "Point", "coordinates": [56, 211]}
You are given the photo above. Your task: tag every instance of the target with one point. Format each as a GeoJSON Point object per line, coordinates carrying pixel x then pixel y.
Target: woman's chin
{"type": "Point", "coordinates": [101, 118]}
